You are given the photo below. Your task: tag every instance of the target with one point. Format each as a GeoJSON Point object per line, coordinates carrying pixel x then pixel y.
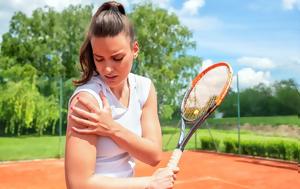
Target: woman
{"type": "Point", "coordinates": [105, 134]}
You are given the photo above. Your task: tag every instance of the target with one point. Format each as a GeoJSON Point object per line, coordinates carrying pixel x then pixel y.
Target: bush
{"type": "Point", "coordinates": [231, 145]}
{"type": "Point", "coordinates": [208, 144]}
{"type": "Point", "coordinates": [255, 146]}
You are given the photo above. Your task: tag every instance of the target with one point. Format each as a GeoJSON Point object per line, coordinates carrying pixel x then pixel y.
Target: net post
{"type": "Point", "coordinates": [196, 138]}
{"type": "Point", "coordinates": [238, 111]}
{"type": "Point", "coordinates": [60, 116]}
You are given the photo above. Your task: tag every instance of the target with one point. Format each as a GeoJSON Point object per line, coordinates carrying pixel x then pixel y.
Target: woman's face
{"type": "Point", "coordinates": [113, 57]}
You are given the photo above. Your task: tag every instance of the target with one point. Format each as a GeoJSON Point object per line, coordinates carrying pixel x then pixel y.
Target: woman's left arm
{"type": "Point", "coordinates": [147, 148]}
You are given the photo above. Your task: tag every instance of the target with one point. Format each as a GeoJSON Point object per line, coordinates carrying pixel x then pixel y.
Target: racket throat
{"type": "Point", "coordinates": [182, 143]}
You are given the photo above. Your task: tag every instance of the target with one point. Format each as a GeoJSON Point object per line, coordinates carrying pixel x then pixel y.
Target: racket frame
{"type": "Point", "coordinates": [197, 122]}
{"type": "Point", "coordinates": [183, 139]}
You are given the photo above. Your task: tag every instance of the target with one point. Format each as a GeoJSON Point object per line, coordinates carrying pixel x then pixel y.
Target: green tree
{"type": "Point", "coordinates": [229, 105]}
{"type": "Point", "coordinates": [23, 108]}
{"type": "Point", "coordinates": [163, 57]}
{"type": "Point", "coordinates": [49, 41]}
{"type": "Point", "coordinates": [281, 98]}
{"type": "Point", "coordinates": [39, 49]}
{"type": "Point", "coordinates": [46, 43]}
{"type": "Point", "coordinates": [286, 92]}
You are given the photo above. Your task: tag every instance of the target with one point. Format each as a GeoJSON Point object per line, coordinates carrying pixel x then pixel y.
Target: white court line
{"type": "Point", "coordinates": [20, 162]}
{"type": "Point", "coordinates": [210, 178]}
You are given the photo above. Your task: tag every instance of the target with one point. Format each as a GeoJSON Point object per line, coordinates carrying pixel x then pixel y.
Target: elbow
{"type": "Point", "coordinates": [74, 185]}
{"type": "Point", "coordinates": [77, 183]}
{"type": "Point", "coordinates": [156, 159]}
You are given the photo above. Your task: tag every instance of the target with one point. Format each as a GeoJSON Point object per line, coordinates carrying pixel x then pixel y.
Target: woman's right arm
{"type": "Point", "coordinates": [80, 160]}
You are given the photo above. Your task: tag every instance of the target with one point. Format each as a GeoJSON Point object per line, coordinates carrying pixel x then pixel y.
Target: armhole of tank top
{"type": "Point", "coordinates": [143, 88]}
{"type": "Point", "coordinates": [93, 93]}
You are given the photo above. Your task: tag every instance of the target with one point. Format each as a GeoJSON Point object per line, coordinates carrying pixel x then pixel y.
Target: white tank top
{"type": "Point", "coordinates": [111, 160]}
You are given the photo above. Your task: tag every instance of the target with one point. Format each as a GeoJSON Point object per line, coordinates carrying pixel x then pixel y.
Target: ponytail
{"type": "Point", "coordinates": [109, 20]}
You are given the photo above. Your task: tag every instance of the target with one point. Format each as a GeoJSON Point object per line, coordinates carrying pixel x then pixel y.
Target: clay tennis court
{"type": "Point", "coordinates": [198, 170]}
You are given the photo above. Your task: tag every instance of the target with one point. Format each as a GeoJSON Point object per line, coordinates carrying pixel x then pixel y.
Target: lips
{"type": "Point", "coordinates": [110, 77]}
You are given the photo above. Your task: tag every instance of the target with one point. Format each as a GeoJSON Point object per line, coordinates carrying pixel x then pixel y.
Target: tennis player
{"type": "Point", "coordinates": [112, 116]}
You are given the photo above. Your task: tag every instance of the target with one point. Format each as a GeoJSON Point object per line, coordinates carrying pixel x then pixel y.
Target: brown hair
{"type": "Point", "coordinates": [109, 20]}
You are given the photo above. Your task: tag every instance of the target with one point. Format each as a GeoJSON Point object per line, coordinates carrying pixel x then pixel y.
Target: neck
{"type": "Point", "coordinates": [121, 90]}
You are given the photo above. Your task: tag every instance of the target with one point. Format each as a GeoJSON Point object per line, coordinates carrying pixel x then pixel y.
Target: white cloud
{"type": "Point", "coordinates": [248, 77]}
{"type": "Point", "coordinates": [256, 62]}
{"type": "Point", "coordinates": [296, 61]}
{"type": "Point", "coordinates": [166, 4]}
{"type": "Point", "coordinates": [161, 3]}
{"type": "Point", "coordinates": [290, 65]}
{"type": "Point", "coordinates": [187, 16]}
{"type": "Point", "coordinates": [192, 7]}
{"type": "Point", "coordinates": [206, 63]}
{"type": "Point", "coordinates": [201, 23]}
{"type": "Point", "coordinates": [59, 4]}
{"type": "Point", "coordinates": [291, 4]}
{"type": "Point", "coordinates": [29, 5]}
{"type": "Point", "coordinates": [7, 8]}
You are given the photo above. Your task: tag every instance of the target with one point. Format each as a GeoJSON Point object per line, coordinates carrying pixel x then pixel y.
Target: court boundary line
{"type": "Point", "coordinates": [28, 160]}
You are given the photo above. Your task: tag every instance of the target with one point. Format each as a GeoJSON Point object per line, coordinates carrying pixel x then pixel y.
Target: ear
{"type": "Point", "coordinates": [135, 49]}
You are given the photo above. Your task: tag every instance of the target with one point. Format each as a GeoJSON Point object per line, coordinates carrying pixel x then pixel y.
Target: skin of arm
{"type": "Point", "coordinates": [80, 159]}
{"type": "Point", "coordinates": [146, 148]}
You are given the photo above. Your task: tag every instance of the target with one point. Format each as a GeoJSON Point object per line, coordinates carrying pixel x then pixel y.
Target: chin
{"type": "Point", "coordinates": [113, 84]}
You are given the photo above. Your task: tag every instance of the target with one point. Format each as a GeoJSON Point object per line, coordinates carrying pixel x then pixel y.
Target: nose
{"type": "Point", "coordinates": [108, 68]}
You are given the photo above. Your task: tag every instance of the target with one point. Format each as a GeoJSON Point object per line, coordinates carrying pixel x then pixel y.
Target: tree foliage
{"type": "Point", "coordinates": [281, 98]}
{"type": "Point", "coordinates": [40, 49]}
{"type": "Point", "coordinates": [49, 41]}
{"type": "Point", "coordinates": [35, 52]}
{"type": "Point", "coordinates": [23, 108]}
{"type": "Point", "coordinates": [164, 42]}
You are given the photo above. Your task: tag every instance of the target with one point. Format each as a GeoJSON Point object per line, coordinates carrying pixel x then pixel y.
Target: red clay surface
{"type": "Point", "coordinates": [197, 170]}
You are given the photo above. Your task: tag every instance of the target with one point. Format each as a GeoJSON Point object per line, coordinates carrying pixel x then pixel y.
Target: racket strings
{"type": "Point", "coordinates": [205, 93]}
{"type": "Point", "coordinates": [197, 112]}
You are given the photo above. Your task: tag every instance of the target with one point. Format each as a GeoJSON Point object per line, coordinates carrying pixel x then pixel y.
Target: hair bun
{"type": "Point", "coordinates": [114, 6]}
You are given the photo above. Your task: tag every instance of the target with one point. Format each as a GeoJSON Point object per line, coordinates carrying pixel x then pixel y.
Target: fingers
{"type": "Point", "coordinates": [82, 113]}
{"type": "Point", "coordinates": [104, 100]}
{"type": "Point", "coordinates": [88, 105]}
{"type": "Point", "coordinates": [85, 131]}
{"type": "Point", "coordinates": [170, 179]}
{"type": "Point", "coordinates": [163, 179]}
{"type": "Point", "coordinates": [83, 122]}
{"type": "Point", "coordinates": [175, 170]}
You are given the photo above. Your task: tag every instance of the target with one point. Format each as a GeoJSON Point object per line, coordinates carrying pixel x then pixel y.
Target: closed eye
{"type": "Point", "coordinates": [118, 58]}
{"type": "Point", "coordinates": [98, 59]}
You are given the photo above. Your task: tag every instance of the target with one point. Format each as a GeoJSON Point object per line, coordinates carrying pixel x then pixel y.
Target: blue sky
{"type": "Point", "coordinates": [259, 38]}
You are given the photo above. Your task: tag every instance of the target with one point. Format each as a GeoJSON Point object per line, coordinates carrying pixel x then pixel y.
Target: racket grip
{"type": "Point", "coordinates": [174, 160]}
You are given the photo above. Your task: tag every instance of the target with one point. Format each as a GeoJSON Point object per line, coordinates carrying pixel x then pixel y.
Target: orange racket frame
{"type": "Point", "coordinates": [183, 140]}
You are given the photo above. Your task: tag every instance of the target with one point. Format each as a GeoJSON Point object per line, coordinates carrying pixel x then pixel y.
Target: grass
{"type": "Point", "coordinates": [171, 135]}
{"type": "Point", "coordinates": [227, 141]}
{"type": "Point", "coordinates": [34, 147]}
{"type": "Point", "coordinates": [31, 147]}
{"type": "Point", "coordinates": [262, 120]}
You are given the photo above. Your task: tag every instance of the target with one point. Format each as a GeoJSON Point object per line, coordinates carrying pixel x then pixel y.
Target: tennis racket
{"type": "Point", "coordinates": [205, 94]}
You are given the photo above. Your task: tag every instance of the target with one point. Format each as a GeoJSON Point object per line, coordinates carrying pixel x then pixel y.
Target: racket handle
{"type": "Point", "coordinates": [174, 160]}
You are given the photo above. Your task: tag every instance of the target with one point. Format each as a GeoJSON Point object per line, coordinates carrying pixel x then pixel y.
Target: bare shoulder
{"type": "Point", "coordinates": [152, 97]}
{"type": "Point", "coordinates": [86, 96]}
{"type": "Point", "coordinates": [74, 102]}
